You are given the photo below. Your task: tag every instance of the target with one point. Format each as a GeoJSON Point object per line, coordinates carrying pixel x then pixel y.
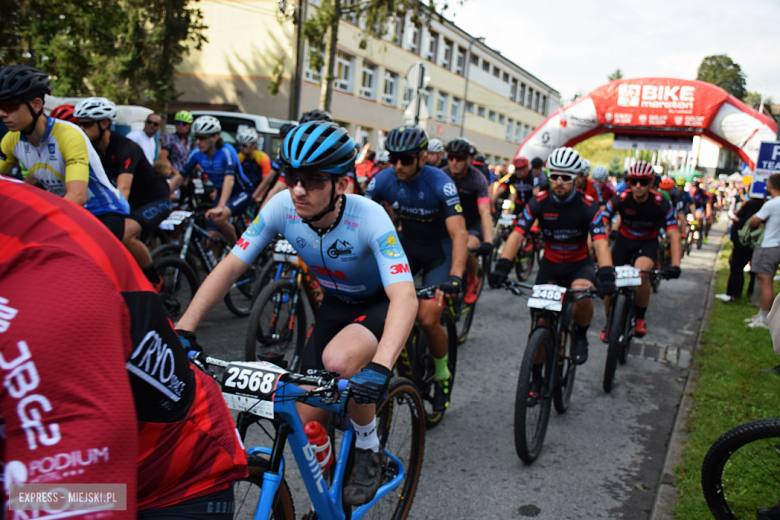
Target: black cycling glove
{"type": "Point", "coordinates": [369, 385]}
{"type": "Point", "coordinates": [500, 272]}
{"type": "Point", "coordinates": [485, 248]}
{"type": "Point", "coordinates": [189, 341]}
{"type": "Point", "coordinates": [673, 272]}
{"type": "Point", "coordinates": [451, 285]}
{"type": "Point", "coordinates": [606, 280]}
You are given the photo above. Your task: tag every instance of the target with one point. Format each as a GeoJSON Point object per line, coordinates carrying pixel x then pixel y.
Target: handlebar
{"type": "Point", "coordinates": [515, 288]}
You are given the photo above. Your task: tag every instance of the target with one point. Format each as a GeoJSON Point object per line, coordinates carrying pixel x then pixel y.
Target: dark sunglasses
{"type": "Point", "coordinates": [86, 124]}
{"type": "Point", "coordinates": [9, 107]}
{"type": "Point", "coordinates": [405, 158]}
{"type": "Point", "coordinates": [182, 123]}
{"type": "Point", "coordinates": [456, 158]}
{"type": "Point", "coordinates": [639, 182]}
{"type": "Point", "coordinates": [308, 182]}
{"type": "Point", "coordinates": [152, 123]}
{"type": "Point", "coordinates": [202, 137]}
{"type": "Point", "coordinates": [566, 178]}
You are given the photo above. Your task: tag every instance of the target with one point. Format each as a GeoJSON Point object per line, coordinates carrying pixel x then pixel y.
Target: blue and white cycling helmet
{"type": "Point", "coordinates": [319, 146]}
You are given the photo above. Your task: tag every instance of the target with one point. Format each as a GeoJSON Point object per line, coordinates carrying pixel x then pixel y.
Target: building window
{"type": "Point", "coordinates": [529, 99]}
{"type": "Point", "coordinates": [343, 72]}
{"type": "Point", "coordinates": [460, 60]}
{"type": "Point", "coordinates": [536, 102]}
{"type": "Point", "coordinates": [446, 61]}
{"type": "Point", "coordinates": [469, 107]}
{"type": "Point", "coordinates": [505, 78]}
{"type": "Point", "coordinates": [521, 95]}
{"type": "Point", "coordinates": [391, 87]}
{"type": "Point", "coordinates": [527, 131]}
{"type": "Point", "coordinates": [414, 39]}
{"type": "Point", "coordinates": [518, 132]}
{"type": "Point", "coordinates": [441, 106]}
{"type": "Point", "coordinates": [474, 59]}
{"type": "Point", "coordinates": [485, 66]}
{"type": "Point", "coordinates": [398, 37]}
{"type": "Point", "coordinates": [368, 81]}
{"type": "Point", "coordinates": [492, 115]}
{"type": "Point", "coordinates": [407, 98]}
{"type": "Point", "coordinates": [544, 105]}
{"type": "Point", "coordinates": [501, 119]}
{"type": "Point", "coordinates": [311, 74]}
{"type": "Point", "coordinates": [496, 72]}
{"type": "Point", "coordinates": [430, 49]}
{"type": "Point", "coordinates": [509, 129]}
{"type": "Point", "coordinates": [427, 99]}
{"type": "Point", "coordinates": [513, 89]}
{"type": "Point", "coordinates": [455, 113]}
{"type": "Point", "coordinates": [350, 16]}
{"type": "Point", "coordinates": [481, 111]}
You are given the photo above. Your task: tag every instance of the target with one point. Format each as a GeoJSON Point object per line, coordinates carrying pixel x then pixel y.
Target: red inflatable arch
{"type": "Point", "coordinates": [658, 107]}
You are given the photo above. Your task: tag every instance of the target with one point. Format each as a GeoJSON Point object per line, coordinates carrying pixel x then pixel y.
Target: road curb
{"type": "Point", "coordinates": [666, 493]}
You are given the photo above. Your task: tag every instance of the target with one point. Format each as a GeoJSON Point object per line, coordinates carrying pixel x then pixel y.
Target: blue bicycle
{"type": "Point", "coordinates": [263, 391]}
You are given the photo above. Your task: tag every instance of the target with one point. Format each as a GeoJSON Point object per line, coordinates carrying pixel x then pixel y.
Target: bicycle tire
{"type": "Point", "coordinates": [175, 250]}
{"type": "Point", "coordinates": [528, 447]}
{"type": "Point", "coordinates": [700, 240]}
{"type": "Point", "coordinates": [731, 494]}
{"type": "Point", "coordinates": [433, 418]}
{"type": "Point", "coordinates": [566, 370]}
{"type": "Point", "coordinates": [247, 493]}
{"type": "Point", "coordinates": [401, 430]}
{"type": "Point", "coordinates": [239, 298]}
{"type": "Point", "coordinates": [259, 336]}
{"type": "Point", "coordinates": [179, 285]}
{"type": "Point", "coordinates": [525, 259]}
{"type": "Point", "coordinates": [613, 348]}
{"type": "Point", "coordinates": [628, 329]}
{"type": "Point", "coordinates": [263, 279]}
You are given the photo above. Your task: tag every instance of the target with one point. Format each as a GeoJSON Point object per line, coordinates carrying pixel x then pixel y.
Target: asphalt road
{"type": "Point", "coordinates": [601, 459]}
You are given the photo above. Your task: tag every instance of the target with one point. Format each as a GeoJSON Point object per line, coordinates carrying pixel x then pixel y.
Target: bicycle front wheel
{"type": "Point", "coordinates": [532, 402]}
{"type": "Point", "coordinates": [616, 329]}
{"type": "Point", "coordinates": [239, 299]}
{"type": "Point", "coordinates": [247, 494]}
{"type": "Point", "coordinates": [401, 429]}
{"type": "Point", "coordinates": [179, 284]}
{"type": "Point", "coordinates": [740, 471]}
{"type": "Point", "coordinates": [565, 369]}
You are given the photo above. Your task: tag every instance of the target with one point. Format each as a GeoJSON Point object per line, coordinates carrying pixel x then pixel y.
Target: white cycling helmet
{"type": "Point", "coordinates": [565, 159]}
{"type": "Point", "coordinates": [206, 125]}
{"type": "Point", "coordinates": [600, 173]}
{"type": "Point", "coordinates": [247, 136]}
{"type": "Point", "coordinates": [96, 108]}
{"type": "Point", "coordinates": [435, 145]}
{"type": "Point", "coordinates": [585, 167]}
{"type": "Point", "coordinates": [383, 157]}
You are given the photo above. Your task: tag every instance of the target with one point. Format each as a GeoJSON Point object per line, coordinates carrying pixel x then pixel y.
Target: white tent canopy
{"type": "Point", "coordinates": [735, 177]}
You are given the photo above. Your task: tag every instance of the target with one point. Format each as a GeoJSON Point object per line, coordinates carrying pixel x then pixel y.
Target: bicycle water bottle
{"type": "Point", "coordinates": [319, 439]}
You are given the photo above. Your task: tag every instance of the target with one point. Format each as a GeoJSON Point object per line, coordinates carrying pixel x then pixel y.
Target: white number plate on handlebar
{"type": "Point", "coordinates": [198, 183]}
{"type": "Point", "coordinates": [547, 297]}
{"type": "Point", "coordinates": [627, 276]}
{"type": "Point", "coordinates": [285, 252]}
{"type": "Point", "coordinates": [250, 386]}
{"type": "Point", "coordinates": [506, 220]}
{"type": "Point", "coordinates": [174, 219]}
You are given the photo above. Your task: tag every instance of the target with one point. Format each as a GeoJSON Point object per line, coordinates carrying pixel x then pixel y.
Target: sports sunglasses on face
{"type": "Point", "coordinates": [308, 182]}
{"type": "Point", "coordinates": [456, 158]}
{"type": "Point", "coordinates": [9, 107]}
{"type": "Point", "coordinates": [639, 182]}
{"type": "Point", "coordinates": [565, 178]}
{"type": "Point", "coordinates": [405, 158]}
{"type": "Point", "coordinates": [86, 124]}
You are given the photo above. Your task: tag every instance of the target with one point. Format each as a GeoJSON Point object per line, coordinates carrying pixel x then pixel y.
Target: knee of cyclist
{"type": "Point", "coordinates": [428, 320]}
{"type": "Point", "coordinates": [340, 364]}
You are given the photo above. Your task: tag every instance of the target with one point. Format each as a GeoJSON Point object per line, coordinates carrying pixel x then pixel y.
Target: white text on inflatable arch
{"type": "Point", "coordinates": [655, 96]}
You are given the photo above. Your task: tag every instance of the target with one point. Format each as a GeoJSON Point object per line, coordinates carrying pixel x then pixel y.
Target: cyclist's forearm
{"type": "Point", "coordinates": [674, 237]}
{"type": "Point", "coordinates": [459, 250]}
{"type": "Point", "coordinates": [214, 288]}
{"type": "Point", "coordinates": [603, 254]}
{"type": "Point", "coordinates": [227, 189]}
{"type": "Point", "coordinates": [401, 314]}
{"type": "Point", "coordinates": [487, 222]}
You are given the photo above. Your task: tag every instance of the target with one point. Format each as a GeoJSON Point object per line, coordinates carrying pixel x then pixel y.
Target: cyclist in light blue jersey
{"type": "Point", "coordinates": [351, 246]}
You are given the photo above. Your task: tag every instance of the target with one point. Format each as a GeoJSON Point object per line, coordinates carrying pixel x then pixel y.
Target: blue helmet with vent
{"type": "Point", "coordinates": [319, 146]}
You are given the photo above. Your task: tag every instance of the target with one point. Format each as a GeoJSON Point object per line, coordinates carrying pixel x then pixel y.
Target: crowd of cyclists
{"type": "Point", "coordinates": [419, 208]}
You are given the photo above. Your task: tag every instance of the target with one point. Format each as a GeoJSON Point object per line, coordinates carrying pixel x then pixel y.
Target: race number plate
{"type": "Point", "coordinates": [285, 252]}
{"type": "Point", "coordinates": [250, 386]}
{"type": "Point", "coordinates": [174, 219]}
{"type": "Point", "coordinates": [198, 184]}
{"type": "Point", "coordinates": [627, 276]}
{"type": "Point", "coordinates": [506, 220]}
{"type": "Point", "coordinates": [548, 297]}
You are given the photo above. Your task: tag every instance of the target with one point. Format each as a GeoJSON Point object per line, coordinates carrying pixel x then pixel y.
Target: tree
{"type": "Point", "coordinates": [753, 100]}
{"type": "Point", "coordinates": [615, 75]}
{"type": "Point", "coordinates": [721, 70]}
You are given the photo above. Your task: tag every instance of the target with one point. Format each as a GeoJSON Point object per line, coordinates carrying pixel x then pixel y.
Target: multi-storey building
{"type": "Point", "coordinates": [474, 90]}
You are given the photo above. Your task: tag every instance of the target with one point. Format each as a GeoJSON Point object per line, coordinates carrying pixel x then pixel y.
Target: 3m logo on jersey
{"type": "Point", "coordinates": [399, 268]}
{"type": "Point", "coordinates": [325, 272]}
{"type": "Point", "coordinates": [243, 244]}
{"type": "Point", "coordinates": [655, 96]}
{"type": "Point", "coordinates": [390, 246]}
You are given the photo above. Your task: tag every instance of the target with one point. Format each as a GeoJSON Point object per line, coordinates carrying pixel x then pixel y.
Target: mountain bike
{"type": "Point", "coordinates": [664, 259]}
{"type": "Point", "coordinates": [262, 391]}
{"type": "Point", "coordinates": [739, 476]}
{"type": "Point", "coordinates": [529, 249]}
{"type": "Point", "coordinates": [463, 312]}
{"type": "Point", "coordinates": [620, 318]}
{"type": "Point", "coordinates": [547, 371]}
{"type": "Point", "coordinates": [416, 364]}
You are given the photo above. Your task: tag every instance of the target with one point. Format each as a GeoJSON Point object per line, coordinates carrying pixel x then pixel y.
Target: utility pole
{"type": "Point", "coordinates": [296, 83]}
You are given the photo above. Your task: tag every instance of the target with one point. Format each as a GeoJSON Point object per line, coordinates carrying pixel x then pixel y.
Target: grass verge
{"type": "Point", "coordinates": [731, 388]}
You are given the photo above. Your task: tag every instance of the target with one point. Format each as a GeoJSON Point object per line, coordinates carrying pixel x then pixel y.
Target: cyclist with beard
{"type": "Point", "coordinates": [566, 217]}
{"type": "Point", "coordinates": [473, 194]}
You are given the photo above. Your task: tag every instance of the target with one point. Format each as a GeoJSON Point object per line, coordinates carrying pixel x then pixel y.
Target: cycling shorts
{"type": "Point", "coordinates": [475, 229]}
{"type": "Point", "coordinates": [150, 215]}
{"type": "Point", "coordinates": [433, 258]}
{"type": "Point", "coordinates": [700, 214]}
{"type": "Point", "coordinates": [115, 222]}
{"type": "Point", "coordinates": [564, 274]}
{"type": "Point", "coordinates": [237, 204]}
{"type": "Point", "coordinates": [333, 316]}
{"type": "Point", "coordinates": [217, 506]}
{"type": "Point", "coordinates": [625, 249]}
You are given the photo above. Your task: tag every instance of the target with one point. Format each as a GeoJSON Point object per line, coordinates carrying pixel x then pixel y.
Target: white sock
{"type": "Point", "coordinates": [763, 315]}
{"type": "Point", "coordinates": [366, 437]}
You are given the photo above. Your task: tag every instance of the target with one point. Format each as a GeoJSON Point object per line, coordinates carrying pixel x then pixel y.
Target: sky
{"type": "Point", "coordinates": [574, 45]}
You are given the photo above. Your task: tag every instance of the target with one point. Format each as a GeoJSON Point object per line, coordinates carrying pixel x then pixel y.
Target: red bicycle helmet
{"type": "Point", "coordinates": [520, 162]}
{"type": "Point", "coordinates": [64, 112]}
{"type": "Point", "coordinates": [667, 184]}
{"type": "Point", "coordinates": [641, 170]}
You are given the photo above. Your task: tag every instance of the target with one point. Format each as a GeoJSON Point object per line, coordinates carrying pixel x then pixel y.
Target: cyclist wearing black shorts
{"type": "Point", "coordinates": [129, 170]}
{"type": "Point", "coordinates": [433, 234]}
{"type": "Point", "coordinates": [475, 201]}
{"type": "Point", "coordinates": [566, 217]}
{"type": "Point", "coordinates": [642, 212]}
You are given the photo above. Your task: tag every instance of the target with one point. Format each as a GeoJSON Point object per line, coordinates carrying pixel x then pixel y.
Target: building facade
{"type": "Point", "coordinates": [474, 91]}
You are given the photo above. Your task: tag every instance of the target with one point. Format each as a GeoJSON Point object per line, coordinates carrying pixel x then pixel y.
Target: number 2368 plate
{"type": "Point", "coordinates": [548, 297]}
{"type": "Point", "coordinates": [249, 387]}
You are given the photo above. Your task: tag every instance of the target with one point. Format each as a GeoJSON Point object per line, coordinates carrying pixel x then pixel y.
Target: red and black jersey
{"type": "Point", "coordinates": [564, 225]}
{"type": "Point", "coordinates": [641, 221]}
{"type": "Point", "coordinates": [100, 388]}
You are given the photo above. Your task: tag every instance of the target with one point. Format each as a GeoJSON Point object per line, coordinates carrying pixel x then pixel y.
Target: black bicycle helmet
{"type": "Point", "coordinates": [460, 146]}
{"type": "Point", "coordinates": [536, 162]}
{"type": "Point", "coordinates": [316, 115]}
{"type": "Point", "coordinates": [479, 158]}
{"type": "Point", "coordinates": [319, 146]}
{"type": "Point", "coordinates": [407, 139]}
{"type": "Point", "coordinates": [23, 83]}
{"type": "Point", "coordinates": [286, 129]}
